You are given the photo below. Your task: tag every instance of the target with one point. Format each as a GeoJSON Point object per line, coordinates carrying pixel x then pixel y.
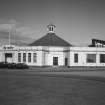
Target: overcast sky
{"type": "Point", "coordinates": [77, 21]}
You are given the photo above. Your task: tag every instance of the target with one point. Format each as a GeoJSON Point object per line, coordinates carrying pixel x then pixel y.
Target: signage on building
{"type": "Point", "coordinates": [8, 47]}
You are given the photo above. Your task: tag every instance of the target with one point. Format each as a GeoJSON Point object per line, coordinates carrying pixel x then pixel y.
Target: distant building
{"type": "Point", "coordinates": [97, 43]}
{"type": "Point", "coordinates": [51, 50]}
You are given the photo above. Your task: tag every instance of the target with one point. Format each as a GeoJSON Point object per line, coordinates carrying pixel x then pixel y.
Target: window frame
{"type": "Point", "coordinates": [91, 58]}
{"type": "Point", "coordinates": [75, 57]}
{"type": "Point", "coordinates": [34, 57]}
{"type": "Point", "coordinates": [103, 58]}
{"type": "Point", "coordinates": [24, 57]}
{"type": "Point", "coordinates": [19, 57]}
{"type": "Point", "coordinates": [29, 57]}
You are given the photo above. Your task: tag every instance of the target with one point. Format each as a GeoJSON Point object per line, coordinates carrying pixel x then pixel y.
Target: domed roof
{"type": "Point", "coordinates": [51, 39]}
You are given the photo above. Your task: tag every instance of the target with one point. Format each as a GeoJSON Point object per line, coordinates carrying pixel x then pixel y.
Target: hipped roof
{"type": "Point", "coordinates": [50, 39]}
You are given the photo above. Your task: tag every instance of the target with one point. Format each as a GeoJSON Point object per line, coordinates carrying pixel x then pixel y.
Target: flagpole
{"type": "Point", "coordinates": [14, 35]}
{"type": "Point", "coordinates": [9, 38]}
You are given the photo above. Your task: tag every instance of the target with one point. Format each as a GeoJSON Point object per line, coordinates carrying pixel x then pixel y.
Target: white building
{"type": "Point", "coordinates": [51, 50]}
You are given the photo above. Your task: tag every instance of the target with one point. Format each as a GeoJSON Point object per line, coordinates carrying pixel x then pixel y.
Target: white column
{"type": "Point", "coordinates": [32, 57]}
{"type": "Point", "coordinates": [97, 59]}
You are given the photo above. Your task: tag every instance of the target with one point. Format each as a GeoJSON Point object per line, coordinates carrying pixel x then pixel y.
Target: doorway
{"type": "Point", "coordinates": [55, 61]}
{"type": "Point", "coordinates": [66, 61]}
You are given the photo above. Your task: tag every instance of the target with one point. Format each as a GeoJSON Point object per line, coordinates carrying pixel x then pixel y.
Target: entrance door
{"type": "Point", "coordinates": [55, 61]}
{"type": "Point", "coordinates": [66, 61]}
{"type": "Point", "coordinates": [8, 57]}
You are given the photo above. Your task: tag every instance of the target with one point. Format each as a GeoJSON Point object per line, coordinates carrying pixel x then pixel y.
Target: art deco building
{"type": "Point", "coordinates": [51, 50]}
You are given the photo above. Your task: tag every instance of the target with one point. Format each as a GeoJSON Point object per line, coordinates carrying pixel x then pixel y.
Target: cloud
{"type": "Point", "coordinates": [6, 27]}
{"type": "Point", "coordinates": [26, 31]}
{"type": "Point", "coordinates": [16, 28]}
{"type": "Point", "coordinates": [19, 32]}
{"type": "Point", "coordinates": [13, 21]}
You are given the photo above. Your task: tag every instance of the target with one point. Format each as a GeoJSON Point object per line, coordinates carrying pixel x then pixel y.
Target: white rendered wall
{"type": "Point", "coordinates": [45, 55]}
{"type": "Point", "coordinates": [82, 56]}
{"type": "Point", "coordinates": [37, 50]}
{"type": "Point", "coordinates": [60, 52]}
{"type": "Point", "coordinates": [0, 57]}
{"type": "Point", "coordinates": [55, 52]}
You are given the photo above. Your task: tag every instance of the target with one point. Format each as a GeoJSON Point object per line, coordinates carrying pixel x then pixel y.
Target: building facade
{"type": "Point", "coordinates": [51, 50]}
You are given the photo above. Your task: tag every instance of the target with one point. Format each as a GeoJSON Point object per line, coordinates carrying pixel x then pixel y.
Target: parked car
{"type": "Point", "coordinates": [21, 66]}
{"type": "Point", "coordinates": [13, 65]}
{"type": "Point", "coordinates": [2, 65]}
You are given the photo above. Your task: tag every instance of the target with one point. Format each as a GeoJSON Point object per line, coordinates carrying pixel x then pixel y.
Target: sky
{"type": "Point", "coordinates": [76, 21]}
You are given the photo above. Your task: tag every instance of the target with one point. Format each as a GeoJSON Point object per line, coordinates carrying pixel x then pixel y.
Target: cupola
{"type": "Point", "coordinates": [51, 28]}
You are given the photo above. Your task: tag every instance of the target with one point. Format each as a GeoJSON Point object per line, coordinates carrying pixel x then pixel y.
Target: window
{"type": "Point", "coordinates": [19, 57]}
{"type": "Point", "coordinates": [50, 28]}
{"type": "Point", "coordinates": [29, 57]}
{"type": "Point", "coordinates": [91, 58]}
{"type": "Point", "coordinates": [55, 61]}
{"type": "Point", "coordinates": [34, 57]}
{"type": "Point", "coordinates": [102, 58]}
{"type": "Point", "coordinates": [24, 57]}
{"type": "Point", "coordinates": [76, 58]}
